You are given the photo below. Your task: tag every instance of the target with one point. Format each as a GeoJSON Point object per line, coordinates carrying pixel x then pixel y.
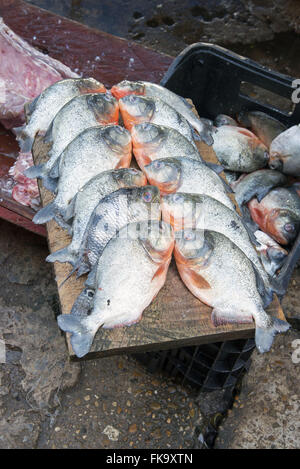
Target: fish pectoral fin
{"type": "Point", "coordinates": [264, 336]}
{"type": "Point", "coordinates": [62, 255]}
{"type": "Point", "coordinates": [221, 317]}
{"type": "Point", "coordinates": [198, 280]}
{"type": "Point", "coordinates": [160, 271]}
{"type": "Point", "coordinates": [35, 171]}
{"type": "Point", "coordinates": [45, 214]}
{"type": "Point", "coordinates": [50, 183]}
{"type": "Point", "coordinates": [54, 171]}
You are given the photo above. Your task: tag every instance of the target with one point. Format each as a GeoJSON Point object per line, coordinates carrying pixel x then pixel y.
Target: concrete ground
{"type": "Point", "coordinates": [47, 402]}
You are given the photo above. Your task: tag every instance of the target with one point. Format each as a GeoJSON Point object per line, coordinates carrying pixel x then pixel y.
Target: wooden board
{"type": "Point", "coordinates": [91, 52]}
{"type": "Point", "coordinates": [174, 319]}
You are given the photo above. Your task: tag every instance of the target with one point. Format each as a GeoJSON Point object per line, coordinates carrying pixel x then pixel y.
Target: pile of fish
{"type": "Point", "coordinates": [24, 73]}
{"type": "Point", "coordinates": [267, 186]}
{"type": "Point", "coordinates": [125, 223]}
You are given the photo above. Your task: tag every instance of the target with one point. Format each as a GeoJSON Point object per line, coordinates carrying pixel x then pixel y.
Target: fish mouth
{"type": "Point", "coordinates": [126, 88]}
{"type": "Point", "coordinates": [164, 187]}
{"type": "Point", "coordinates": [275, 163]}
{"type": "Point", "coordinates": [130, 120]}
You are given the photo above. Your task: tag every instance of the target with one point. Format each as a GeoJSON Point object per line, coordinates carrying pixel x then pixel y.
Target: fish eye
{"type": "Point", "coordinates": [177, 198]}
{"type": "Point", "coordinates": [289, 227]}
{"type": "Point", "coordinates": [189, 236]}
{"type": "Point", "coordinates": [158, 164]}
{"type": "Point", "coordinates": [133, 172]}
{"type": "Point", "coordinates": [90, 293]}
{"type": "Point", "coordinates": [147, 196]}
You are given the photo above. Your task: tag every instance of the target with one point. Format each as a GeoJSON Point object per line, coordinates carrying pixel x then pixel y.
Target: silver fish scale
{"type": "Point", "coordinates": [251, 184]}
{"type": "Point", "coordinates": [284, 198]}
{"type": "Point", "coordinates": [212, 215]}
{"type": "Point", "coordinates": [286, 148]}
{"type": "Point", "coordinates": [232, 280]}
{"type": "Point", "coordinates": [125, 274]}
{"type": "Point", "coordinates": [52, 100]}
{"type": "Point", "coordinates": [166, 115]}
{"type": "Point", "coordinates": [234, 151]}
{"type": "Point", "coordinates": [85, 202]}
{"type": "Point", "coordinates": [219, 218]}
{"type": "Point", "coordinates": [197, 178]}
{"type": "Point", "coordinates": [71, 120]}
{"type": "Point", "coordinates": [175, 101]}
{"type": "Point", "coordinates": [110, 216]}
{"type": "Point", "coordinates": [85, 157]}
{"type": "Point", "coordinates": [176, 144]}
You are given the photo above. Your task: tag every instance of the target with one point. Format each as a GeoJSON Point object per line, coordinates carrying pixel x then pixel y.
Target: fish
{"type": "Point", "coordinates": [130, 273]}
{"type": "Point", "coordinates": [183, 174]}
{"type": "Point", "coordinates": [271, 253]}
{"type": "Point", "coordinates": [126, 205]}
{"type": "Point", "coordinates": [25, 72]}
{"type": "Point", "coordinates": [95, 150]}
{"type": "Point", "coordinates": [77, 115]}
{"type": "Point", "coordinates": [278, 214]}
{"type": "Point", "coordinates": [152, 90]}
{"type": "Point", "coordinates": [238, 149]}
{"type": "Point", "coordinates": [188, 211]}
{"type": "Point", "coordinates": [223, 119]}
{"type": "Point", "coordinates": [219, 274]}
{"type": "Point", "coordinates": [42, 110]}
{"type": "Point", "coordinates": [265, 127]}
{"type": "Point", "coordinates": [257, 184]}
{"type": "Point", "coordinates": [285, 152]}
{"type": "Point", "coordinates": [151, 142]}
{"type": "Point", "coordinates": [87, 198]}
{"type": "Point", "coordinates": [138, 109]}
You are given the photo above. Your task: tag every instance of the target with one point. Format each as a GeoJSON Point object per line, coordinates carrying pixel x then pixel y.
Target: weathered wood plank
{"type": "Point", "coordinates": [175, 318]}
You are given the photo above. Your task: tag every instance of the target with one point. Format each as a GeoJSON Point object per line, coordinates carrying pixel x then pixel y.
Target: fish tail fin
{"type": "Point", "coordinates": [34, 171]}
{"type": "Point", "coordinates": [264, 336]}
{"type": "Point", "coordinates": [24, 140]}
{"type": "Point", "coordinates": [45, 214]}
{"type": "Point", "coordinates": [205, 131]}
{"type": "Point", "coordinates": [50, 184]}
{"type": "Point", "coordinates": [48, 134]}
{"type": "Point", "coordinates": [81, 338]}
{"type": "Point", "coordinates": [69, 212]}
{"type": "Point", "coordinates": [62, 255]}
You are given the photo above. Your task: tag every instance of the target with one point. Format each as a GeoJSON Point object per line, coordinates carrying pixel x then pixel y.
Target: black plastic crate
{"type": "Point", "coordinates": [212, 77]}
{"type": "Point", "coordinates": [207, 367]}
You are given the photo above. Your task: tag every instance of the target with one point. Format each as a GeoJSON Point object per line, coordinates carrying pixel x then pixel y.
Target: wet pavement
{"type": "Point", "coordinates": [48, 402]}
{"type": "Point", "coordinates": [260, 29]}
